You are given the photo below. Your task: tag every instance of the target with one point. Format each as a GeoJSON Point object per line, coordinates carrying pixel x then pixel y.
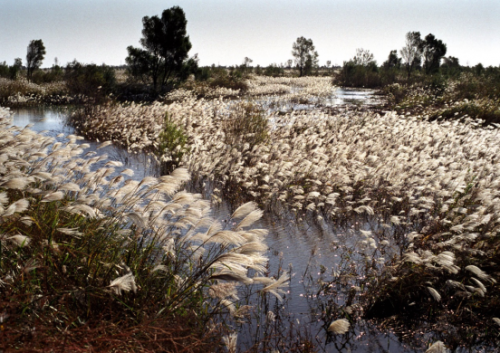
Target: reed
{"type": "Point", "coordinates": [88, 247]}
{"type": "Point", "coordinates": [427, 188]}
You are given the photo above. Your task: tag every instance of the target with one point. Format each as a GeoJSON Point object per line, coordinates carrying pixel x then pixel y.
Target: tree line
{"type": "Point", "coordinates": [162, 61]}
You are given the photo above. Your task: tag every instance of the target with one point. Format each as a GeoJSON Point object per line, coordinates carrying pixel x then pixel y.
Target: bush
{"type": "Point", "coordinates": [396, 93]}
{"type": "Point", "coordinates": [486, 110]}
{"type": "Point", "coordinates": [47, 76]}
{"type": "Point", "coordinates": [245, 124]}
{"type": "Point", "coordinates": [172, 145]}
{"type": "Point", "coordinates": [231, 82]}
{"type": "Point", "coordinates": [274, 71]}
{"type": "Point", "coordinates": [91, 81]}
{"type": "Point", "coordinates": [355, 75]}
{"type": "Point", "coordinates": [4, 70]}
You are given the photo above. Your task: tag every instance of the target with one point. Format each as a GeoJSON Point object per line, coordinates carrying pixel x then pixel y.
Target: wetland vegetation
{"type": "Point", "coordinates": [403, 195]}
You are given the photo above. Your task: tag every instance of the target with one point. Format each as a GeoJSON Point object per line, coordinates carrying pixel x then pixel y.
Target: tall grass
{"type": "Point", "coordinates": [428, 186]}
{"type": "Point", "coordinates": [87, 249]}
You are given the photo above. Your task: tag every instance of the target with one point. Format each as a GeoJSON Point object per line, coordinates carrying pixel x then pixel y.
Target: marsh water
{"type": "Point", "coordinates": [311, 250]}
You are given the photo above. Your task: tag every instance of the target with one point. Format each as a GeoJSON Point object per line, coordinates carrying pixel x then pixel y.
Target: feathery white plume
{"type": "Point", "coordinates": [125, 283]}
{"type": "Point", "coordinates": [339, 327]}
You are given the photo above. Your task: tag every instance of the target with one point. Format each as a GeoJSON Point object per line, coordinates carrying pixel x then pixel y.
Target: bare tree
{"type": "Point", "coordinates": [306, 58]}
{"type": "Point", "coordinates": [34, 56]}
{"type": "Point", "coordinates": [363, 57]}
{"type": "Point", "coordinates": [412, 52]}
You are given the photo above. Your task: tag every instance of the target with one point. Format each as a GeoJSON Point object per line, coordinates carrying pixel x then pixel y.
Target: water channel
{"type": "Point", "coordinates": [310, 251]}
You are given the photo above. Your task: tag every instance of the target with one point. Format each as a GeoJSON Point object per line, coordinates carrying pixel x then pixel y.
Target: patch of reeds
{"type": "Point", "coordinates": [428, 186]}
{"type": "Point", "coordinates": [20, 92]}
{"type": "Point", "coordinates": [87, 249]}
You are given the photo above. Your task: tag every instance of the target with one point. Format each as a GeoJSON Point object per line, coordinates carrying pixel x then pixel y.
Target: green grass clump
{"type": "Point", "coordinates": [172, 145]}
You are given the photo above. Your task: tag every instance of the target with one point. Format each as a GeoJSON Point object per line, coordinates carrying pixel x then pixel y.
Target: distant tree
{"type": "Point", "coordinates": [274, 70]}
{"type": "Point", "coordinates": [306, 58]}
{"type": "Point", "coordinates": [450, 66]}
{"type": "Point", "coordinates": [411, 52]}
{"type": "Point", "coordinates": [363, 57]}
{"type": "Point", "coordinates": [56, 70]}
{"type": "Point", "coordinates": [91, 81]}
{"type": "Point", "coordinates": [478, 69]}
{"type": "Point", "coordinates": [34, 56]}
{"type": "Point", "coordinates": [289, 63]}
{"type": "Point", "coordinates": [15, 69]}
{"type": "Point", "coordinates": [392, 61]}
{"type": "Point", "coordinates": [246, 66]}
{"type": "Point", "coordinates": [451, 61]}
{"type": "Point", "coordinates": [433, 51]}
{"type": "Point", "coordinates": [4, 69]}
{"type": "Point", "coordinates": [166, 46]}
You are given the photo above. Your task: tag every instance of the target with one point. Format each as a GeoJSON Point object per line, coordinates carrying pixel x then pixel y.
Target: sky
{"type": "Point", "coordinates": [224, 32]}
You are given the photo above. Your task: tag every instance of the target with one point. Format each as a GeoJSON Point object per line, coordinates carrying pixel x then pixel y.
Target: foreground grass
{"type": "Point", "coordinates": [92, 260]}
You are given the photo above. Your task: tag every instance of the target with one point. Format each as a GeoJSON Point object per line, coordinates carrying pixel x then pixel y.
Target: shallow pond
{"type": "Point", "coordinates": [310, 251]}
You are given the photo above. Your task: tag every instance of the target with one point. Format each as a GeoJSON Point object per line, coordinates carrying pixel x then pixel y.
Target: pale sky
{"type": "Point", "coordinates": [225, 31]}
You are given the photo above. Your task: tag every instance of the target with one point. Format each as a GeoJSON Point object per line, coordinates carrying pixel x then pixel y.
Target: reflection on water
{"type": "Point", "coordinates": [51, 121]}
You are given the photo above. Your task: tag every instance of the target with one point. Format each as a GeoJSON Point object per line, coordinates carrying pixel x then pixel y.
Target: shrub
{"type": "Point", "coordinates": [172, 145]}
{"type": "Point", "coordinates": [396, 93]}
{"type": "Point", "coordinates": [245, 124]}
{"type": "Point", "coordinates": [354, 75]}
{"type": "Point", "coordinates": [486, 110]}
{"type": "Point", "coordinates": [4, 70]}
{"type": "Point", "coordinates": [91, 81]}
{"type": "Point", "coordinates": [274, 71]}
{"type": "Point", "coordinates": [231, 82]}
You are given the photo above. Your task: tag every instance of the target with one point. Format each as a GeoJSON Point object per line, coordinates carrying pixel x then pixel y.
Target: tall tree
{"type": "Point", "coordinates": [34, 56]}
{"type": "Point", "coordinates": [306, 58]}
{"type": "Point", "coordinates": [433, 51]}
{"type": "Point", "coordinates": [166, 46]}
{"type": "Point", "coordinates": [412, 52]}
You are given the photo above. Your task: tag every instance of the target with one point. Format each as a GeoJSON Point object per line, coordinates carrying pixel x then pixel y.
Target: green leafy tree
{"type": "Point", "coordinates": [139, 64]}
{"type": "Point", "coordinates": [34, 56]}
{"type": "Point", "coordinates": [92, 81]}
{"type": "Point", "coordinates": [433, 50]}
{"type": "Point", "coordinates": [15, 69]}
{"type": "Point", "coordinates": [392, 61]}
{"type": "Point", "coordinates": [4, 69]}
{"type": "Point", "coordinates": [166, 46]}
{"type": "Point", "coordinates": [306, 58]}
{"type": "Point", "coordinates": [246, 67]}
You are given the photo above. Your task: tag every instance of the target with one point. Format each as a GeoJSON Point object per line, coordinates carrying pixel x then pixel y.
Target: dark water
{"type": "Point", "coordinates": [311, 251]}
